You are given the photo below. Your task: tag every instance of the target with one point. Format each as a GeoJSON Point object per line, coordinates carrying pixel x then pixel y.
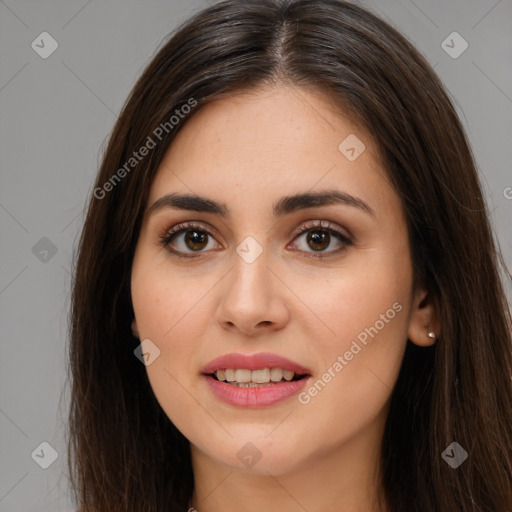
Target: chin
{"type": "Point", "coordinates": [256, 454]}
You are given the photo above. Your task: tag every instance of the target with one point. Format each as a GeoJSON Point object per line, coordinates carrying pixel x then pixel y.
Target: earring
{"type": "Point", "coordinates": [431, 334]}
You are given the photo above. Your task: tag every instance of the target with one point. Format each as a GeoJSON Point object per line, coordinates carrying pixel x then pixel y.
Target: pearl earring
{"type": "Point", "coordinates": [431, 334]}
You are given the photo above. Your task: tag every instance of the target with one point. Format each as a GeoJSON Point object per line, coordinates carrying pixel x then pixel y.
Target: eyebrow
{"type": "Point", "coordinates": [285, 205]}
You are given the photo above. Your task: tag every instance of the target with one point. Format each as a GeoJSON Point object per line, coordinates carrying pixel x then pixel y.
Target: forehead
{"type": "Point", "coordinates": [263, 144]}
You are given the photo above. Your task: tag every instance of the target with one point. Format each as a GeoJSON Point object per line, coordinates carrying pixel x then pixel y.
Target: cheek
{"type": "Point", "coordinates": [171, 311]}
{"type": "Point", "coordinates": [367, 312]}
{"type": "Point", "coordinates": [165, 299]}
{"type": "Point", "coordinates": [349, 300]}
{"type": "Point", "coordinates": [164, 308]}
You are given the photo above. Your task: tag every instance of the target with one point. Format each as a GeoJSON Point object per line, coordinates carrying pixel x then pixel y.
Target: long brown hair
{"type": "Point", "coordinates": [124, 453]}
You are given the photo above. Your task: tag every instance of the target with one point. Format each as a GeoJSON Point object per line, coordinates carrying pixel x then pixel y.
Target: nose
{"type": "Point", "coordinates": [253, 298]}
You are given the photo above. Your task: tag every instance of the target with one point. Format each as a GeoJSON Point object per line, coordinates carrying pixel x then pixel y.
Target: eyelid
{"type": "Point", "coordinates": [320, 224]}
{"type": "Point", "coordinates": [182, 226]}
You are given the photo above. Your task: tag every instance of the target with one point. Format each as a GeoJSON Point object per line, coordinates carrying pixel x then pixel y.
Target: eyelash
{"type": "Point", "coordinates": [166, 239]}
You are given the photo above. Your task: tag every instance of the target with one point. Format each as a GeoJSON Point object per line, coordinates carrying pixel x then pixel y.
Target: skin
{"type": "Point", "coordinates": [248, 151]}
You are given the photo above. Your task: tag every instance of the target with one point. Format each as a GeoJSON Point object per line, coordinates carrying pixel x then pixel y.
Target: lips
{"type": "Point", "coordinates": [272, 373]}
{"type": "Point", "coordinates": [254, 362]}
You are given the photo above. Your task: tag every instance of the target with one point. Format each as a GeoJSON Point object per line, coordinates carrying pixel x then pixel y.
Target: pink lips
{"type": "Point", "coordinates": [254, 362]}
{"type": "Point", "coordinates": [255, 397]}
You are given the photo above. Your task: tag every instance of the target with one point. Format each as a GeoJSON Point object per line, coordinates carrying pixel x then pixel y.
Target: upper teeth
{"type": "Point", "coordinates": [257, 376]}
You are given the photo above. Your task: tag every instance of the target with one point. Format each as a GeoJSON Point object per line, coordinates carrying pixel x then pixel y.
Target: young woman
{"type": "Point", "coordinates": [287, 291]}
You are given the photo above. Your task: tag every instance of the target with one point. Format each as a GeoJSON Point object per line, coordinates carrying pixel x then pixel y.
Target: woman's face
{"type": "Point", "coordinates": [335, 300]}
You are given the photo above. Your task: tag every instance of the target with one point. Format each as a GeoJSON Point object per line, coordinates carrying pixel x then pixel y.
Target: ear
{"type": "Point", "coordinates": [424, 319]}
{"type": "Point", "coordinates": [135, 329]}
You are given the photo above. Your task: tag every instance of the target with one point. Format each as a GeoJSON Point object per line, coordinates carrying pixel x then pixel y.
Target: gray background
{"type": "Point", "coordinates": [56, 114]}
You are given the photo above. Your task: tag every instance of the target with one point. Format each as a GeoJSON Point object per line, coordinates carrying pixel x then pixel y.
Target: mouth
{"type": "Point", "coordinates": [245, 378]}
{"type": "Point", "coordinates": [255, 380]}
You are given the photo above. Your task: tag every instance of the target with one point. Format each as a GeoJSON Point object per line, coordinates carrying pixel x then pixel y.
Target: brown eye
{"type": "Point", "coordinates": [196, 240]}
{"type": "Point", "coordinates": [186, 239]}
{"type": "Point", "coordinates": [318, 240]}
